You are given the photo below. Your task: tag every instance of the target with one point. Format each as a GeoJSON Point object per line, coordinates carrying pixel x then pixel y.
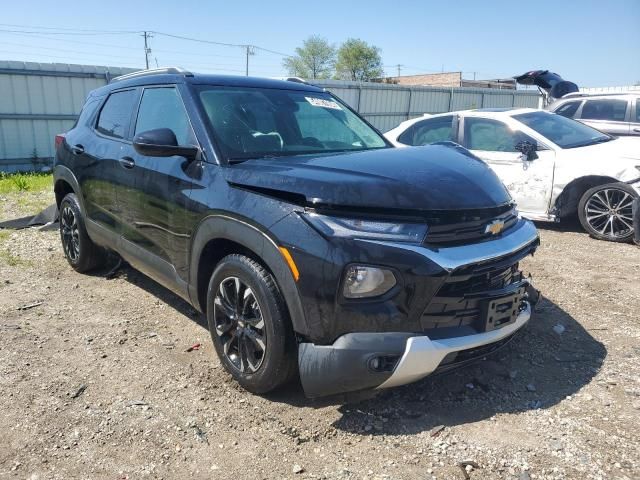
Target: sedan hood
{"type": "Point", "coordinates": [435, 177]}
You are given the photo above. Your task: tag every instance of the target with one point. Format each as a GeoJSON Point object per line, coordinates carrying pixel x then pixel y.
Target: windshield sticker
{"type": "Point", "coordinates": [321, 102]}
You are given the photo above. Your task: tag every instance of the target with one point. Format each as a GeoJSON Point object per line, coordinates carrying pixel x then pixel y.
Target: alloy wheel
{"type": "Point", "coordinates": [239, 325]}
{"type": "Point", "coordinates": [608, 212]}
{"type": "Point", "coordinates": [70, 234]}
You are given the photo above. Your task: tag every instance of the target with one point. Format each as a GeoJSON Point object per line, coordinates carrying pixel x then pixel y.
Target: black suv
{"type": "Point", "coordinates": [311, 244]}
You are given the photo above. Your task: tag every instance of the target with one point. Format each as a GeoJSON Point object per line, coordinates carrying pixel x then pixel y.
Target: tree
{"type": "Point", "coordinates": [357, 60]}
{"type": "Point", "coordinates": [315, 59]}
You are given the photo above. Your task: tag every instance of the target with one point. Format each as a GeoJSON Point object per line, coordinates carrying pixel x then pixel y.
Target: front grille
{"type": "Point", "coordinates": [462, 300]}
{"type": "Point", "coordinates": [468, 227]}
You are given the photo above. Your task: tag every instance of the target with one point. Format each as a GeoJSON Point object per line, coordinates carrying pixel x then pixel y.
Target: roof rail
{"type": "Point", "coordinates": [296, 80]}
{"type": "Point", "coordinates": [153, 71]}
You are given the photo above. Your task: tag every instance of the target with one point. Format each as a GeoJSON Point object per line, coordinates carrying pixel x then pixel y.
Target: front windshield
{"type": "Point", "coordinates": [564, 132]}
{"type": "Point", "coordinates": [253, 123]}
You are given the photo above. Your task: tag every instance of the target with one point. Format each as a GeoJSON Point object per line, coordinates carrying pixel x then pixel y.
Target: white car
{"type": "Point", "coordinates": [553, 166]}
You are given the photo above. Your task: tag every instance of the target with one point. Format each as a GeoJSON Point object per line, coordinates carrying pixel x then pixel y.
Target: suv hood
{"type": "Point", "coordinates": [435, 177]}
{"type": "Point", "coordinates": [552, 83]}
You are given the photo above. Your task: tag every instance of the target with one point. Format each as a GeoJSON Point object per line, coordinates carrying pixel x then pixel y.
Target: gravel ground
{"type": "Point", "coordinates": [97, 382]}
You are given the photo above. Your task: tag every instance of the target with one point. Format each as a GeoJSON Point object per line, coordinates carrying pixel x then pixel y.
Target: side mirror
{"type": "Point", "coordinates": [528, 149]}
{"type": "Point", "coordinates": [162, 142]}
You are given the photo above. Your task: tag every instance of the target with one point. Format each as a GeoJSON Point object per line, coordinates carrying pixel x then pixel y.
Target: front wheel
{"type": "Point", "coordinates": [605, 212]}
{"type": "Point", "coordinates": [249, 325]}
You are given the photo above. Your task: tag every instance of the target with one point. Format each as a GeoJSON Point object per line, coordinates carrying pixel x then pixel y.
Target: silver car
{"type": "Point", "coordinates": [614, 113]}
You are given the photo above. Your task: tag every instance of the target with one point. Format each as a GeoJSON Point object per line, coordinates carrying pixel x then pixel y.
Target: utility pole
{"type": "Point", "coordinates": [147, 50]}
{"type": "Point", "coordinates": [399, 67]}
{"type": "Point", "coordinates": [250, 51]}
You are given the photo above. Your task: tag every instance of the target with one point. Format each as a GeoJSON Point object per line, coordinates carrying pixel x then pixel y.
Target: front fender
{"type": "Point", "coordinates": [254, 238]}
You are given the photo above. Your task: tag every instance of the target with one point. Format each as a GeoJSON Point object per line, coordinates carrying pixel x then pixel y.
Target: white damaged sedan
{"type": "Point", "coordinates": [553, 166]}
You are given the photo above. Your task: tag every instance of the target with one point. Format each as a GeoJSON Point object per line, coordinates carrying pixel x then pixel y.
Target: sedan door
{"type": "Point", "coordinates": [529, 181]}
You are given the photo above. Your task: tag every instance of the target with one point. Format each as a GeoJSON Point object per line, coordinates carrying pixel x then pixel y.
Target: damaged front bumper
{"type": "Point", "coordinates": [377, 360]}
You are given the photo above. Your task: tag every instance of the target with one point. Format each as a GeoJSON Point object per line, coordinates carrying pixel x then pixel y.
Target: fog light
{"type": "Point", "coordinates": [362, 282]}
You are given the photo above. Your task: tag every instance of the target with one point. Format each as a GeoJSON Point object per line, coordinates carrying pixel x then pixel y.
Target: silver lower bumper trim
{"type": "Point", "coordinates": [423, 355]}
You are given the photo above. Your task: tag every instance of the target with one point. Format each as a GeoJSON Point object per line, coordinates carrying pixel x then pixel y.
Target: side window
{"type": "Point", "coordinates": [491, 135]}
{"type": "Point", "coordinates": [87, 112]}
{"type": "Point", "coordinates": [568, 109]}
{"type": "Point", "coordinates": [163, 108]}
{"type": "Point", "coordinates": [433, 130]}
{"type": "Point", "coordinates": [115, 116]}
{"type": "Point", "coordinates": [610, 109]}
{"type": "Point", "coordinates": [637, 110]}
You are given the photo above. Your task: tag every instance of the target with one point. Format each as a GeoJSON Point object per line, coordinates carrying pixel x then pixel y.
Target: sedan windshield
{"type": "Point", "coordinates": [564, 132]}
{"type": "Point", "coordinates": [253, 123]}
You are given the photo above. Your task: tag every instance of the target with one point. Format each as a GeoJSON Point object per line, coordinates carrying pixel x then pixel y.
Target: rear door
{"type": "Point", "coordinates": [156, 233]}
{"type": "Point", "coordinates": [431, 130]}
{"type": "Point", "coordinates": [529, 181]}
{"type": "Point", "coordinates": [609, 115]}
{"type": "Point", "coordinates": [100, 151]}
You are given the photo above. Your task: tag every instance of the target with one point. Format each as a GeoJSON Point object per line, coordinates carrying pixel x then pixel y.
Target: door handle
{"type": "Point", "coordinates": [636, 130]}
{"type": "Point", "coordinates": [77, 149]}
{"type": "Point", "coordinates": [127, 162]}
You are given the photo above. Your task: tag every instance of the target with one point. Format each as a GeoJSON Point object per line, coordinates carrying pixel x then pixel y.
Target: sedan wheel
{"type": "Point", "coordinates": [606, 212]}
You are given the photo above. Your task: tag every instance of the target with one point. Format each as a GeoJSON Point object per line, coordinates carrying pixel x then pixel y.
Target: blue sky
{"type": "Point", "coordinates": [594, 43]}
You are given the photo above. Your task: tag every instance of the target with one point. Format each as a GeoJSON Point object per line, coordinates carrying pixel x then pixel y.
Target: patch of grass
{"type": "Point", "coordinates": [12, 260]}
{"type": "Point", "coordinates": [22, 182]}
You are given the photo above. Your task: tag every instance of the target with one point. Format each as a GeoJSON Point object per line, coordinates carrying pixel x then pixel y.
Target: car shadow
{"type": "Point", "coordinates": [552, 358]}
{"type": "Point", "coordinates": [567, 225]}
{"type": "Point", "coordinates": [537, 370]}
{"type": "Point", "coordinates": [124, 271]}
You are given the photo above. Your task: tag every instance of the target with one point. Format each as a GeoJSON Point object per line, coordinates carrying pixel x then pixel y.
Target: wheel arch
{"type": "Point", "coordinates": [566, 205]}
{"type": "Point", "coordinates": [220, 235]}
{"type": "Point", "coordinates": [65, 182]}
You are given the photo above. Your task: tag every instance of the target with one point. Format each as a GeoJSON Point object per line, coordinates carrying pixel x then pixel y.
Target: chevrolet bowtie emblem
{"type": "Point", "coordinates": [495, 227]}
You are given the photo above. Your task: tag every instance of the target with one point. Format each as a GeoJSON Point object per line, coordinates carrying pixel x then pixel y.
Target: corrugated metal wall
{"type": "Point", "coordinates": [385, 106]}
{"type": "Point", "coordinates": [39, 100]}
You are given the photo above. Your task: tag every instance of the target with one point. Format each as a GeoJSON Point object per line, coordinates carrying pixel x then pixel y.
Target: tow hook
{"type": "Point", "coordinates": [533, 295]}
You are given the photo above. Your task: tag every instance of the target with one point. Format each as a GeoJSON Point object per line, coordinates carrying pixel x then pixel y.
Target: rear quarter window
{"type": "Point", "coordinates": [115, 116]}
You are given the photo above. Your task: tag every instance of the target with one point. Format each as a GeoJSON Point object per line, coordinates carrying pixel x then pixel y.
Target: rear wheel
{"type": "Point", "coordinates": [605, 212]}
{"type": "Point", "coordinates": [81, 253]}
{"type": "Point", "coordinates": [249, 325]}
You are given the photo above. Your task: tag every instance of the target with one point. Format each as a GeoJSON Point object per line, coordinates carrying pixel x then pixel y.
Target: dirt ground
{"type": "Point", "coordinates": [96, 382]}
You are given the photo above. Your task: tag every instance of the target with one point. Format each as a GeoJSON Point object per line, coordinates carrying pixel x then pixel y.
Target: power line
{"type": "Point", "coordinates": [68, 33]}
{"type": "Point", "coordinates": [67, 29]}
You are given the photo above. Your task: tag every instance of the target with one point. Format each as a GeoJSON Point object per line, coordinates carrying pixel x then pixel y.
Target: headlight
{"type": "Point", "coordinates": [358, 228]}
{"type": "Point", "coordinates": [362, 281]}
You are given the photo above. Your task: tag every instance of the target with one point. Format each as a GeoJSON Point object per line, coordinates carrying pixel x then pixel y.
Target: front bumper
{"type": "Point", "coordinates": [423, 356]}
{"type": "Point", "coordinates": [452, 324]}
{"type": "Point", "coordinates": [345, 366]}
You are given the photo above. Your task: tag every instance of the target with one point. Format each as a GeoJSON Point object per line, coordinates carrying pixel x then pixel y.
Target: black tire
{"type": "Point", "coordinates": [235, 325]}
{"type": "Point", "coordinates": [605, 212]}
{"type": "Point", "coordinates": [81, 253]}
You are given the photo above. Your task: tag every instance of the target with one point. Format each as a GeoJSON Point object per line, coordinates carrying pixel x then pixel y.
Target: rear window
{"type": "Point", "coordinates": [568, 109]}
{"type": "Point", "coordinates": [115, 116]}
{"type": "Point", "coordinates": [605, 109]}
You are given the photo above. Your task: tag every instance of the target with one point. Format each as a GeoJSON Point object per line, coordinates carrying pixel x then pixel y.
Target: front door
{"type": "Point", "coordinates": [157, 224]}
{"type": "Point", "coordinates": [529, 181]}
